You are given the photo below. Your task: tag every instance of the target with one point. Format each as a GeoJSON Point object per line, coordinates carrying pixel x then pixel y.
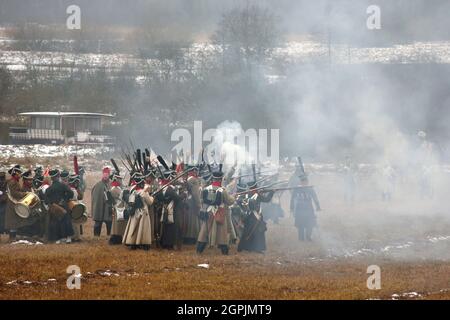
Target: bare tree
{"type": "Point", "coordinates": [247, 35]}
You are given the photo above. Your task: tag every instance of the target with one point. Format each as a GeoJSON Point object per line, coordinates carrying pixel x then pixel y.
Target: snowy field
{"type": "Point", "coordinates": [199, 55]}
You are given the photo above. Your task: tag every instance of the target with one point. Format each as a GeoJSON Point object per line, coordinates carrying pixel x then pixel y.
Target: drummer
{"type": "Point", "coordinates": [27, 178]}
{"type": "Point", "coordinates": [78, 194]}
{"type": "Point", "coordinates": [16, 192]}
{"type": "Point", "coordinates": [57, 197]}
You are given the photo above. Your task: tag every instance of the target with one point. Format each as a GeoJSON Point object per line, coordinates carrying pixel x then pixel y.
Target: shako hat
{"type": "Point", "coordinates": [53, 173]}
{"type": "Point", "coordinates": [15, 169]}
{"type": "Point", "coordinates": [27, 175]}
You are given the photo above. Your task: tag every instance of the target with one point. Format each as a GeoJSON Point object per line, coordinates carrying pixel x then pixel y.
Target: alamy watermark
{"type": "Point", "coordinates": [73, 21]}
{"type": "Point", "coordinates": [74, 280]}
{"type": "Point", "coordinates": [374, 280]}
{"type": "Point", "coordinates": [374, 20]}
{"type": "Point", "coordinates": [228, 145]}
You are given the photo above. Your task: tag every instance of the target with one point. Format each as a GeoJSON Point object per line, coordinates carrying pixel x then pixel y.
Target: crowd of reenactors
{"type": "Point", "coordinates": [42, 204]}
{"type": "Point", "coordinates": [157, 206]}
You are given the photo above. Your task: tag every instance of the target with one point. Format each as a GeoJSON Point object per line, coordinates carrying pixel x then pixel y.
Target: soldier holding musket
{"type": "Point", "coordinates": [215, 227]}
{"type": "Point", "coordinates": [253, 236]}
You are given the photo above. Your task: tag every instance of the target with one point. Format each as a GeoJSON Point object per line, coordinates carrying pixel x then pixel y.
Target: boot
{"type": "Point", "coordinates": [12, 235]}
{"type": "Point", "coordinates": [115, 239]}
{"type": "Point", "coordinates": [201, 247]}
{"type": "Point", "coordinates": [224, 249]}
{"type": "Point", "coordinates": [97, 230]}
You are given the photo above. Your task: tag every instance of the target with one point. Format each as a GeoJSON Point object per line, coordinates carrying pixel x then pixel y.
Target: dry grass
{"type": "Point", "coordinates": [289, 270]}
{"type": "Point", "coordinates": [175, 275]}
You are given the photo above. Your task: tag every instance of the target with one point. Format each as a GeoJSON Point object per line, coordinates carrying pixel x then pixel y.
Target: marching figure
{"type": "Point", "coordinates": [138, 230]}
{"type": "Point", "coordinates": [101, 205]}
{"type": "Point", "coordinates": [215, 228]}
{"type": "Point", "coordinates": [303, 210]}
{"type": "Point", "coordinates": [253, 237]}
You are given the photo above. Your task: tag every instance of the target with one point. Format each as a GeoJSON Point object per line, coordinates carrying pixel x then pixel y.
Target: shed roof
{"type": "Point", "coordinates": [66, 114]}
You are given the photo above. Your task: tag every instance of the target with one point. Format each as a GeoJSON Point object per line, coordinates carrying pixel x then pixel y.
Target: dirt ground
{"type": "Point", "coordinates": [408, 240]}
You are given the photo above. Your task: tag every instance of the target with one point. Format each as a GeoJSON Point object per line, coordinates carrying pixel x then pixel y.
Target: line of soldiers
{"type": "Point", "coordinates": [158, 207]}
{"type": "Point", "coordinates": [165, 208]}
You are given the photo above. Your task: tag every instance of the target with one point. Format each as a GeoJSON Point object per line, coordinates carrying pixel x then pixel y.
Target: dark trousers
{"type": "Point", "coordinates": [2, 218]}
{"type": "Point", "coordinates": [98, 227]}
{"type": "Point", "coordinates": [60, 228]}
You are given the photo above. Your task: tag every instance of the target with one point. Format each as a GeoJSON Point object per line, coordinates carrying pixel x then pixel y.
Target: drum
{"type": "Point", "coordinates": [77, 209]}
{"type": "Point", "coordinates": [23, 207]}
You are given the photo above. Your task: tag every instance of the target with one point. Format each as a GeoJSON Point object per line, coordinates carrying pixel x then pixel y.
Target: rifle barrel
{"type": "Point", "coordinates": [172, 181]}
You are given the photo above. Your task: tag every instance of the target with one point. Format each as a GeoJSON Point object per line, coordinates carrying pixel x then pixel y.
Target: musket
{"type": "Point", "coordinates": [139, 159]}
{"type": "Point", "coordinates": [178, 177]}
{"type": "Point", "coordinates": [128, 160]}
{"type": "Point", "coordinates": [128, 169]}
{"type": "Point", "coordinates": [116, 167]}
{"type": "Point", "coordinates": [163, 162]}
{"type": "Point", "coordinates": [265, 178]}
{"type": "Point", "coordinates": [76, 168]}
{"type": "Point", "coordinates": [251, 174]}
{"type": "Point", "coordinates": [300, 163]}
{"type": "Point", "coordinates": [266, 189]}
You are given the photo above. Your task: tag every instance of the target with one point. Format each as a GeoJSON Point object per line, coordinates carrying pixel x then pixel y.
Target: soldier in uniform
{"type": "Point", "coordinates": [138, 230]}
{"type": "Point", "coordinates": [57, 197]}
{"type": "Point", "coordinates": [170, 213]}
{"type": "Point", "coordinates": [302, 208]}
{"type": "Point", "coordinates": [34, 226]}
{"type": "Point", "coordinates": [16, 192]}
{"type": "Point", "coordinates": [118, 219]}
{"type": "Point", "coordinates": [65, 175]}
{"type": "Point", "coordinates": [253, 237]}
{"type": "Point", "coordinates": [78, 194]}
{"type": "Point", "coordinates": [101, 206]}
{"type": "Point", "coordinates": [191, 222]}
{"type": "Point", "coordinates": [238, 209]}
{"type": "Point", "coordinates": [27, 180]}
{"type": "Point", "coordinates": [152, 182]}
{"type": "Point", "coordinates": [215, 228]}
{"type": "Point", "coordinates": [40, 185]}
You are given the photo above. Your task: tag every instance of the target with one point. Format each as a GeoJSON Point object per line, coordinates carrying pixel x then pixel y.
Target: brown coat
{"type": "Point", "coordinates": [216, 233]}
{"type": "Point", "coordinates": [12, 220]}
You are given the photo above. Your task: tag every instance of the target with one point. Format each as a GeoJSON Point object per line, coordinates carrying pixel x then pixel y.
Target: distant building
{"type": "Point", "coordinates": [62, 128]}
